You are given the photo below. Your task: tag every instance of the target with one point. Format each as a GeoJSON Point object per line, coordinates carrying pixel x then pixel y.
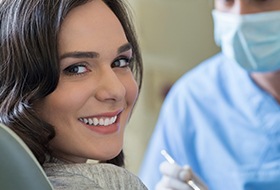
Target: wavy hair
{"type": "Point", "coordinates": [29, 64]}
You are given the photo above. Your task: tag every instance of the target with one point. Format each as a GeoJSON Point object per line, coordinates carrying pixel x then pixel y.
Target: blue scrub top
{"type": "Point", "coordinates": [218, 121]}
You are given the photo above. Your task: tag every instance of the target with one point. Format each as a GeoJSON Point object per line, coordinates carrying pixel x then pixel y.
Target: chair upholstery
{"type": "Point", "coordinates": [19, 169]}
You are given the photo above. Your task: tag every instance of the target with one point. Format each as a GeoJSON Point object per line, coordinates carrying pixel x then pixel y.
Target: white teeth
{"type": "Point", "coordinates": [107, 121]}
{"type": "Point", "coordinates": [85, 120]}
{"type": "Point", "coordinates": [102, 121]}
{"type": "Point", "coordinates": [113, 119]}
{"type": "Point", "coordinates": [95, 121]}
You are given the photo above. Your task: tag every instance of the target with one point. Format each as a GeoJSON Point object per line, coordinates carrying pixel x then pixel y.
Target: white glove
{"type": "Point", "coordinates": [176, 178]}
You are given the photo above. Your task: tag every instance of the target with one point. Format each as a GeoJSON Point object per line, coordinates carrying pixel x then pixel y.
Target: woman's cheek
{"type": "Point", "coordinates": [132, 92]}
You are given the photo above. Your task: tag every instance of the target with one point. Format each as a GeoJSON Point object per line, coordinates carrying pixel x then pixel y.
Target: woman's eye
{"type": "Point", "coordinates": [76, 69]}
{"type": "Point", "coordinates": [121, 62]}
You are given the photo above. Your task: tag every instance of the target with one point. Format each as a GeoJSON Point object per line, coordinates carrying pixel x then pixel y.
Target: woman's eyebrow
{"type": "Point", "coordinates": [124, 48]}
{"type": "Point", "coordinates": [92, 54]}
{"type": "Point", "coordinates": [80, 54]}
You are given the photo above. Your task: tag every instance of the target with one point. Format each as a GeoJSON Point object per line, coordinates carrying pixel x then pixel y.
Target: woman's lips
{"type": "Point", "coordinates": [103, 124]}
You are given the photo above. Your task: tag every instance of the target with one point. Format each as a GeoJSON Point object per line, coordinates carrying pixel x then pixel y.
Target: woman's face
{"type": "Point", "coordinates": [96, 91]}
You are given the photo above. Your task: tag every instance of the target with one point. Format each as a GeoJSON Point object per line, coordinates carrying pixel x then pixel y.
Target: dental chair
{"type": "Point", "coordinates": [19, 169]}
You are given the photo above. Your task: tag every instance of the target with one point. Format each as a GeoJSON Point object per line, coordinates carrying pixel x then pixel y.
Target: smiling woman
{"type": "Point", "coordinates": [71, 72]}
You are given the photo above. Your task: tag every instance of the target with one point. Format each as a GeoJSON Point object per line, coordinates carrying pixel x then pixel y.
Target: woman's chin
{"type": "Point", "coordinates": [108, 155]}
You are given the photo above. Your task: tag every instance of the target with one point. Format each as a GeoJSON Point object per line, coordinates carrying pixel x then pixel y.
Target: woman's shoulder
{"type": "Point", "coordinates": [91, 176]}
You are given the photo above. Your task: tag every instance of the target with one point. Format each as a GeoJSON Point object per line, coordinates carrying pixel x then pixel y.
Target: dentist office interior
{"type": "Point", "coordinates": [174, 36]}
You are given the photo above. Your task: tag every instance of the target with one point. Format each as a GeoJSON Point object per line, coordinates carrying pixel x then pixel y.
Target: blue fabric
{"type": "Point", "coordinates": [218, 121]}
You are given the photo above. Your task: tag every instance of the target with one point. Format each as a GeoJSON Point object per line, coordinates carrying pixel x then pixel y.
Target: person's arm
{"type": "Point", "coordinates": [176, 177]}
{"type": "Point", "coordinates": [171, 133]}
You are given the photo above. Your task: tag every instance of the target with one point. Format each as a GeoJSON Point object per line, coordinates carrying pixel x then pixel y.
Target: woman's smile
{"type": "Point", "coordinates": [103, 123]}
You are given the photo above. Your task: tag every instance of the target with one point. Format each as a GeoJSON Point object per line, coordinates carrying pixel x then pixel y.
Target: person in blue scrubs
{"type": "Point", "coordinates": [222, 118]}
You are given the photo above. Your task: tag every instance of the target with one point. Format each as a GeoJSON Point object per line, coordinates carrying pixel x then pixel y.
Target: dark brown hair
{"type": "Point", "coordinates": [29, 64]}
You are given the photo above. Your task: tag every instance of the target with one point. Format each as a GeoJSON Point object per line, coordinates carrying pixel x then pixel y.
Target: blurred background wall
{"type": "Point", "coordinates": [175, 36]}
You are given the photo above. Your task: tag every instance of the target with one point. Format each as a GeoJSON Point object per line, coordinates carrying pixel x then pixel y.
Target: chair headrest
{"type": "Point", "coordinates": [19, 169]}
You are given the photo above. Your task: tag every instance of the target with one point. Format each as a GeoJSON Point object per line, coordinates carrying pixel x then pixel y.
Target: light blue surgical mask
{"type": "Point", "coordinates": [252, 40]}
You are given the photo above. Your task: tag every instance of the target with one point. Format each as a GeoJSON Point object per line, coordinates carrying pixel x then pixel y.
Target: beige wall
{"type": "Point", "coordinates": [175, 35]}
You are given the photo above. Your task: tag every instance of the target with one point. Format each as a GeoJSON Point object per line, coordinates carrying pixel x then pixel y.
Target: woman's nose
{"type": "Point", "coordinates": [110, 87]}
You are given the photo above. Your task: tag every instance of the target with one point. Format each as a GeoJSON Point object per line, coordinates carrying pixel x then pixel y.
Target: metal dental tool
{"type": "Point", "coordinates": [172, 161]}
